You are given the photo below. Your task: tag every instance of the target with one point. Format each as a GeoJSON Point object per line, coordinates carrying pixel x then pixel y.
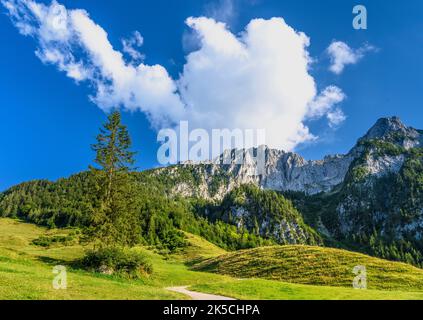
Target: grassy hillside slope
{"type": "Point", "coordinates": [315, 266]}
{"type": "Point", "coordinates": [198, 249]}
{"type": "Point", "coordinates": [26, 273]}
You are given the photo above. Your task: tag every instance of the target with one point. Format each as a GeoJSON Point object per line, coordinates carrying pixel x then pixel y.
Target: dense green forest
{"type": "Point", "coordinates": [266, 213]}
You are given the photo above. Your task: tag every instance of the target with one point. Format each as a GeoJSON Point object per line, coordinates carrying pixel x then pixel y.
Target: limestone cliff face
{"type": "Point", "coordinates": [282, 171]}
{"type": "Point", "coordinates": [290, 172]}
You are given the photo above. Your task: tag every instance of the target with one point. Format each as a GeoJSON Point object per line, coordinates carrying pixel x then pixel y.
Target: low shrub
{"type": "Point", "coordinates": [117, 261]}
{"type": "Point", "coordinates": [47, 241]}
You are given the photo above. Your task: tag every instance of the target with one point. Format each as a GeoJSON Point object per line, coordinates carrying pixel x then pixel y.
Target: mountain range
{"type": "Point", "coordinates": [288, 171]}
{"type": "Point", "coordinates": [368, 200]}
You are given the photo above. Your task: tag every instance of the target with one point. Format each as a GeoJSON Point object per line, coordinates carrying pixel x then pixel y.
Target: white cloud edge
{"type": "Point", "coordinates": [342, 55]}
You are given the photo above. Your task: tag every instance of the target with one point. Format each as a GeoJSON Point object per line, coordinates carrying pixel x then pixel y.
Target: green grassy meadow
{"type": "Point", "coordinates": [26, 273]}
{"type": "Point", "coordinates": [259, 289]}
{"type": "Point", "coordinates": [314, 266]}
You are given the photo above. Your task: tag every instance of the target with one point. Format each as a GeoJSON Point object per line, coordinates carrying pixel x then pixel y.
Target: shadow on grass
{"type": "Point", "coordinates": [74, 265]}
{"type": "Point", "coordinates": [191, 263]}
{"type": "Point", "coordinates": [203, 265]}
{"type": "Point", "coordinates": [53, 261]}
{"type": "Point", "coordinates": [79, 266]}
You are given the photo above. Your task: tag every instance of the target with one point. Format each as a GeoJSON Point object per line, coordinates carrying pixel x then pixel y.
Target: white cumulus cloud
{"type": "Point", "coordinates": [336, 117]}
{"type": "Point", "coordinates": [73, 42]}
{"type": "Point", "coordinates": [258, 79]}
{"type": "Point", "coordinates": [342, 55]}
{"type": "Point", "coordinates": [325, 104]}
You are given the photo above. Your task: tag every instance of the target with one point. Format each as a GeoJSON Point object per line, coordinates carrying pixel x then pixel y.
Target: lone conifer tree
{"type": "Point", "coordinates": [114, 221]}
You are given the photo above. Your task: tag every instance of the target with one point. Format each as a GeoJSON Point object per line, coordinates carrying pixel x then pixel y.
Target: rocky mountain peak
{"type": "Point", "coordinates": [385, 127]}
{"type": "Point", "coordinates": [395, 131]}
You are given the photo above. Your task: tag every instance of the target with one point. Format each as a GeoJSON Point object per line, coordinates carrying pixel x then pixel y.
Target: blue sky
{"type": "Point", "coordinates": [49, 122]}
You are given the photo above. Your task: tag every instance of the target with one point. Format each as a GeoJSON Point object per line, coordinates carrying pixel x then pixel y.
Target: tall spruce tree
{"type": "Point", "coordinates": [115, 221]}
